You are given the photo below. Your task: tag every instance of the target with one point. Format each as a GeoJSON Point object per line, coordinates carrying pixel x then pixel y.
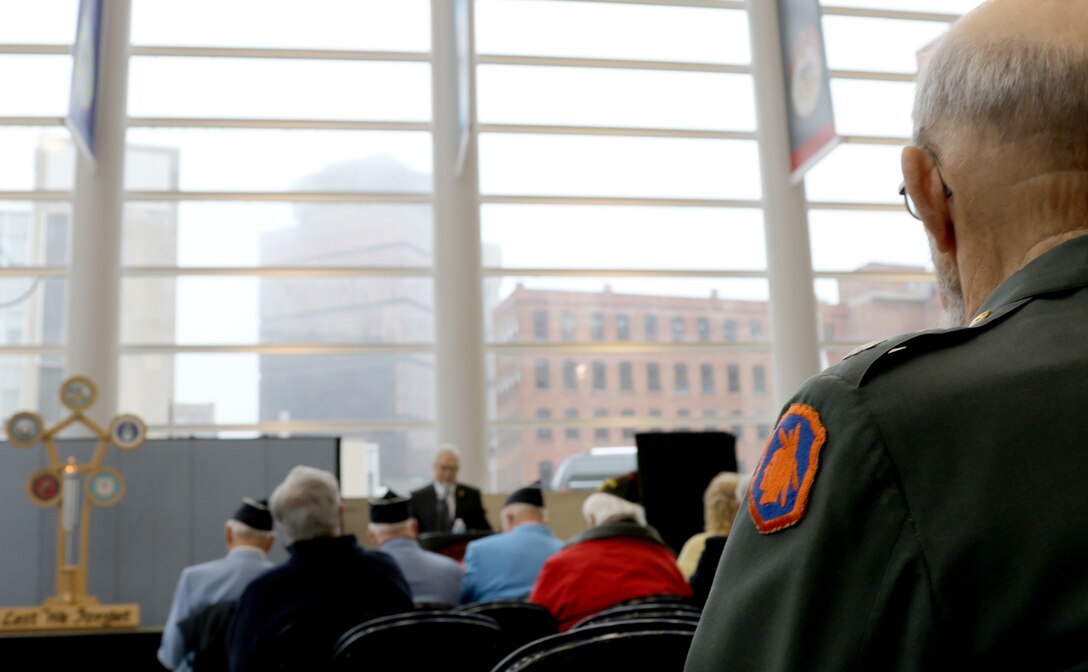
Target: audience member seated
{"type": "Point", "coordinates": [505, 566]}
{"type": "Point", "coordinates": [249, 537]}
{"type": "Point", "coordinates": [328, 584]}
{"type": "Point", "coordinates": [618, 558]}
{"type": "Point", "coordinates": [433, 578]}
{"type": "Point", "coordinates": [723, 491]}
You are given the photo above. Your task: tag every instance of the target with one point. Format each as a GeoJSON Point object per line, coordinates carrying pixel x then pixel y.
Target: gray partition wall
{"type": "Point", "coordinates": [178, 495]}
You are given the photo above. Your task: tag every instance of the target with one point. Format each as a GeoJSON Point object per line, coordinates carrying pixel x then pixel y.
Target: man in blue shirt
{"type": "Point", "coordinates": [435, 579]}
{"type": "Point", "coordinates": [249, 538]}
{"type": "Point", "coordinates": [505, 566]}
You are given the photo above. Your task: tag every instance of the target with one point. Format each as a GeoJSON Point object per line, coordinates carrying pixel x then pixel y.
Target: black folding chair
{"type": "Point", "coordinates": [659, 599]}
{"type": "Point", "coordinates": [521, 621]}
{"type": "Point", "coordinates": [642, 611]}
{"type": "Point", "coordinates": [421, 640]}
{"type": "Point", "coordinates": [649, 645]}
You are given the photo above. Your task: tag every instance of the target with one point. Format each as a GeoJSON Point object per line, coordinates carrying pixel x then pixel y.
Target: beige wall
{"type": "Point", "coordinates": [564, 514]}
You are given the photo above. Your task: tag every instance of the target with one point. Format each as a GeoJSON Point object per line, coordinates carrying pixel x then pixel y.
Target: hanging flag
{"type": "Point", "coordinates": [84, 90]}
{"type": "Point", "coordinates": [810, 115]}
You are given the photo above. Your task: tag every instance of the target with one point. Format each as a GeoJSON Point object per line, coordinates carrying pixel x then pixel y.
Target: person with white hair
{"type": "Point", "coordinates": [328, 584]}
{"type": "Point", "coordinates": [919, 505]}
{"type": "Point", "coordinates": [618, 558]}
{"type": "Point", "coordinates": [505, 566]}
{"type": "Point", "coordinates": [446, 504]}
{"type": "Point", "coordinates": [249, 537]}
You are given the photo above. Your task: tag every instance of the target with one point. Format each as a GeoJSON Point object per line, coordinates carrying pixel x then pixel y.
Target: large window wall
{"type": "Point", "coordinates": [278, 261]}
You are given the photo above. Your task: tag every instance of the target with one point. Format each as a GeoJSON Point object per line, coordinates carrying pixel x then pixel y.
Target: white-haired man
{"type": "Point", "coordinates": [249, 537]}
{"type": "Point", "coordinates": [328, 584]}
{"type": "Point", "coordinates": [505, 566]}
{"type": "Point", "coordinates": [919, 505]}
{"type": "Point", "coordinates": [439, 505]}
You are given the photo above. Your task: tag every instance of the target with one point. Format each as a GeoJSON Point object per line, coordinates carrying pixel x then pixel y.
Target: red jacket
{"type": "Point", "coordinates": [590, 575]}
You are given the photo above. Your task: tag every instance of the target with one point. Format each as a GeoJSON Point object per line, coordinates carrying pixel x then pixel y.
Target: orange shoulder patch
{"type": "Point", "coordinates": [779, 490]}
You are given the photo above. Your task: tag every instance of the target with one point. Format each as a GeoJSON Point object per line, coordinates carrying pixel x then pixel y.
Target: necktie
{"type": "Point", "coordinates": [443, 517]}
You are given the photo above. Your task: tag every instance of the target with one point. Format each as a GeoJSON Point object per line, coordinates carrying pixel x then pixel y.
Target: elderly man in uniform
{"type": "Point", "coordinates": [249, 538]}
{"type": "Point", "coordinates": [435, 579]}
{"type": "Point", "coordinates": [505, 566]}
{"type": "Point", "coordinates": [922, 504]}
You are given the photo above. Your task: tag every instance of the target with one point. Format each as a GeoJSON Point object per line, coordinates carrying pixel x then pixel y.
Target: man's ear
{"type": "Point", "coordinates": [922, 179]}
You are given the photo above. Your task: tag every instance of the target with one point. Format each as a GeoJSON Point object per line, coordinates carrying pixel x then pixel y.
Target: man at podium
{"type": "Point", "coordinates": [440, 505]}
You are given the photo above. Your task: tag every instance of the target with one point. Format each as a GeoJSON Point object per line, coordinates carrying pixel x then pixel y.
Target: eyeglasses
{"type": "Point", "coordinates": [911, 207]}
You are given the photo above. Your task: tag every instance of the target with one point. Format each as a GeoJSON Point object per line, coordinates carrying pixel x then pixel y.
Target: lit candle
{"type": "Point", "coordinates": [70, 496]}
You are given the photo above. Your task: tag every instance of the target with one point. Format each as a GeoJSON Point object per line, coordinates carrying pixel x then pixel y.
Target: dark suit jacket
{"type": "Point", "coordinates": [468, 507]}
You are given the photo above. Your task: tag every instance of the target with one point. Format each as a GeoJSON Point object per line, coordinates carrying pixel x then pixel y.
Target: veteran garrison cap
{"type": "Point", "coordinates": [390, 508]}
{"type": "Point", "coordinates": [254, 513]}
{"type": "Point", "coordinates": [530, 494]}
{"type": "Point", "coordinates": [624, 485]}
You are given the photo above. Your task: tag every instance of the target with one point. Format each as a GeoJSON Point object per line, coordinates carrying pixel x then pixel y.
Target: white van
{"type": "Point", "coordinates": [584, 472]}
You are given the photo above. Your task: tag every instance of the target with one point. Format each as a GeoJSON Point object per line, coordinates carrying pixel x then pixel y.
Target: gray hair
{"type": "Point", "coordinates": [521, 511]}
{"type": "Point", "coordinates": [248, 535]}
{"type": "Point", "coordinates": [391, 528]}
{"type": "Point", "coordinates": [307, 504]}
{"type": "Point", "coordinates": [1024, 93]}
{"type": "Point", "coordinates": [602, 507]}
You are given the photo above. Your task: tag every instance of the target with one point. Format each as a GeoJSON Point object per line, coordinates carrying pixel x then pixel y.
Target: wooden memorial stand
{"type": "Point", "coordinates": [71, 488]}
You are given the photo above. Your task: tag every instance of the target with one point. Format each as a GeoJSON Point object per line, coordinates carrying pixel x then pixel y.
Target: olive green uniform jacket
{"type": "Point", "coordinates": [947, 520]}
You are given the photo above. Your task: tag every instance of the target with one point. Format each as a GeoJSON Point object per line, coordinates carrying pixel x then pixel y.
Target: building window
{"type": "Point", "coordinates": [763, 432]}
{"type": "Point", "coordinates": [572, 433]}
{"type": "Point", "coordinates": [568, 323]}
{"type": "Point", "coordinates": [600, 433]}
{"type": "Point", "coordinates": [596, 326]}
{"type": "Point", "coordinates": [628, 432]}
{"type": "Point", "coordinates": [756, 328]}
{"type": "Point", "coordinates": [759, 379]}
{"type": "Point", "coordinates": [731, 330]}
{"type": "Point", "coordinates": [737, 431]}
{"type": "Point", "coordinates": [540, 325]}
{"type": "Point", "coordinates": [543, 433]}
{"type": "Point", "coordinates": [655, 413]}
{"type": "Point", "coordinates": [732, 373]}
{"type": "Point", "coordinates": [709, 413]}
{"type": "Point", "coordinates": [650, 325]}
{"type": "Point", "coordinates": [570, 375]}
{"type": "Point", "coordinates": [683, 413]}
{"type": "Point", "coordinates": [653, 377]}
{"type": "Point", "coordinates": [542, 378]}
{"type": "Point", "coordinates": [678, 328]}
{"type": "Point", "coordinates": [623, 328]}
{"type": "Point", "coordinates": [706, 378]}
{"type": "Point", "coordinates": [627, 383]}
{"type": "Point", "coordinates": [599, 380]}
{"type": "Point", "coordinates": [680, 371]}
{"type": "Point", "coordinates": [702, 326]}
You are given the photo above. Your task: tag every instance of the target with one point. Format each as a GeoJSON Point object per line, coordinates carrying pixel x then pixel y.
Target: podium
{"type": "Point", "coordinates": [451, 544]}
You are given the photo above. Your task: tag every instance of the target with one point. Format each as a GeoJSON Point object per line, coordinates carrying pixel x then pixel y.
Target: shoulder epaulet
{"type": "Point", "coordinates": [867, 360]}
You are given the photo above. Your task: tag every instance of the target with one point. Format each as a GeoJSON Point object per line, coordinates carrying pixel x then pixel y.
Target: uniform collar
{"type": "Point", "coordinates": [532, 528]}
{"type": "Point", "coordinates": [1061, 269]}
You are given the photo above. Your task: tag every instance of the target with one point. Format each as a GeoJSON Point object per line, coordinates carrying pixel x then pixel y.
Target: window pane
{"type": "Point", "coordinates": [862, 310]}
{"type": "Point", "coordinates": [613, 166]}
{"type": "Point", "coordinates": [562, 236]}
{"type": "Point", "coordinates": [296, 160]}
{"type": "Point", "coordinates": [39, 22]}
{"type": "Point", "coordinates": [873, 108]}
{"type": "Point", "coordinates": [324, 24]}
{"type": "Point", "coordinates": [610, 97]}
{"type": "Point", "coordinates": [41, 85]}
{"type": "Point", "coordinates": [857, 174]}
{"type": "Point", "coordinates": [248, 388]}
{"type": "Point", "coordinates": [240, 310]}
{"type": "Point", "coordinates": [590, 30]}
{"type": "Point", "coordinates": [32, 383]}
{"type": "Point", "coordinates": [942, 6]}
{"type": "Point", "coordinates": [277, 234]}
{"type": "Point", "coordinates": [279, 89]}
{"type": "Point", "coordinates": [26, 148]}
{"type": "Point", "coordinates": [880, 45]}
{"type": "Point", "coordinates": [850, 240]}
{"type": "Point", "coordinates": [34, 233]}
{"type": "Point", "coordinates": [595, 302]}
{"type": "Point", "coordinates": [32, 310]}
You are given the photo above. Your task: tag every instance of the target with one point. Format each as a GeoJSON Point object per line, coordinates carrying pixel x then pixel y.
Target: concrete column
{"type": "Point", "coordinates": [794, 332]}
{"type": "Point", "coordinates": [94, 286]}
{"type": "Point", "coordinates": [458, 290]}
